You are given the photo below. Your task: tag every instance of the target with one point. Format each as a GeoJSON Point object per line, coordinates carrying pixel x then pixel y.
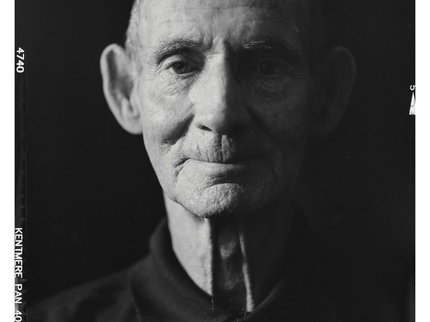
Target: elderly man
{"type": "Point", "coordinates": [225, 94]}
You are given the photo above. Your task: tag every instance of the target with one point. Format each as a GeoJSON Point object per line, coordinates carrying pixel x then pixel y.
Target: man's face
{"type": "Point", "coordinates": [223, 94]}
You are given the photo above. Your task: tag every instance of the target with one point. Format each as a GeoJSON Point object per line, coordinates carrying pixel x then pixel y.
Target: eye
{"type": "Point", "coordinates": [181, 67]}
{"type": "Point", "coordinates": [269, 68]}
{"type": "Point", "coordinates": [264, 68]}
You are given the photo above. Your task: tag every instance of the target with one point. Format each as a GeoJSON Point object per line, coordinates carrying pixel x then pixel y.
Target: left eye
{"type": "Point", "coordinates": [269, 68]}
{"type": "Point", "coordinates": [263, 68]}
{"type": "Point", "coordinates": [181, 67]}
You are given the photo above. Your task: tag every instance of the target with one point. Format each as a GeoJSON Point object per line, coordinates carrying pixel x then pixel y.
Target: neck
{"type": "Point", "coordinates": [233, 258]}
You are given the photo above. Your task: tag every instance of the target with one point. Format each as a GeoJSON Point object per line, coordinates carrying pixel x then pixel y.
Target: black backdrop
{"type": "Point", "coordinates": [93, 200]}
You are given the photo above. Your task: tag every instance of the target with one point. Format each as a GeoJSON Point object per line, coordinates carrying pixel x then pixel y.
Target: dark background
{"type": "Point", "coordinates": [92, 199]}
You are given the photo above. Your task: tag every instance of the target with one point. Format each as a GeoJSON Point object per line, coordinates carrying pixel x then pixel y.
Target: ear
{"type": "Point", "coordinates": [334, 90]}
{"type": "Point", "coordinates": [116, 70]}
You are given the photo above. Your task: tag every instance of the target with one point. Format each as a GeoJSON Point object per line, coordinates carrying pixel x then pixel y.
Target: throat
{"type": "Point", "coordinates": [233, 259]}
{"type": "Point", "coordinates": [232, 281]}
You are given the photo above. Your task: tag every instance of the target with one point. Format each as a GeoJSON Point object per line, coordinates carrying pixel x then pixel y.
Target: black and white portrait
{"type": "Point", "coordinates": [222, 160]}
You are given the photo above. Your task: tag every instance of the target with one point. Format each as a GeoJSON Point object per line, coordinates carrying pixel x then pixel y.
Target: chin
{"type": "Point", "coordinates": [223, 199]}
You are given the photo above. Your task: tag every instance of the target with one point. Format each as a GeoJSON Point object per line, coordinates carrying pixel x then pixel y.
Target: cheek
{"type": "Point", "coordinates": [164, 112]}
{"type": "Point", "coordinates": [283, 117]}
{"type": "Point", "coordinates": [164, 119]}
{"type": "Point", "coordinates": [282, 111]}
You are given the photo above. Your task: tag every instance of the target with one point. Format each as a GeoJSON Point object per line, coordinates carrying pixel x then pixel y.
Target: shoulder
{"type": "Point", "coordinates": [106, 299]}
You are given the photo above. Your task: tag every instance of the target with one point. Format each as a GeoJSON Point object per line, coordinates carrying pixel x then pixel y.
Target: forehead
{"type": "Point", "coordinates": [230, 21]}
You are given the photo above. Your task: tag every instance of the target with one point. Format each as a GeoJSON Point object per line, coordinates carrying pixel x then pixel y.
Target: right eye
{"type": "Point", "coordinates": [181, 67]}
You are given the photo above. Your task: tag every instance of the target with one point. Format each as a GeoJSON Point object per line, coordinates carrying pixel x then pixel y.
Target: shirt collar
{"type": "Point", "coordinates": [162, 287]}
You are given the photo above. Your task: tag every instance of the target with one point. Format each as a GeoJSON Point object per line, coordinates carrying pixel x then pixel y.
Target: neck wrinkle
{"type": "Point", "coordinates": [236, 259]}
{"type": "Point", "coordinates": [193, 245]}
{"type": "Point", "coordinates": [250, 303]}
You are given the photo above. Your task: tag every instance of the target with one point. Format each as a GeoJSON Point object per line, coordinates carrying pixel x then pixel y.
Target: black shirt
{"type": "Point", "coordinates": [157, 288]}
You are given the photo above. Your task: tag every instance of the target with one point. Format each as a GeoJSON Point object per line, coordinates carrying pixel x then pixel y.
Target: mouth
{"type": "Point", "coordinates": [226, 167]}
{"type": "Point", "coordinates": [231, 159]}
{"type": "Point", "coordinates": [228, 161]}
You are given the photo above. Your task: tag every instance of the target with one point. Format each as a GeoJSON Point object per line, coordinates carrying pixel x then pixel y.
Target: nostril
{"type": "Point", "coordinates": [225, 120]}
{"type": "Point", "coordinates": [204, 128]}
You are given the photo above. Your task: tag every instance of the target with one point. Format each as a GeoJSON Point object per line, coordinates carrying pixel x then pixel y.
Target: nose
{"type": "Point", "coordinates": [219, 105]}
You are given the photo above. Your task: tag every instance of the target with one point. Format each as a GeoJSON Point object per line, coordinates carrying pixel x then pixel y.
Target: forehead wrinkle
{"type": "Point", "coordinates": [168, 29]}
{"type": "Point", "coordinates": [198, 28]}
{"type": "Point", "coordinates": [298, 10]}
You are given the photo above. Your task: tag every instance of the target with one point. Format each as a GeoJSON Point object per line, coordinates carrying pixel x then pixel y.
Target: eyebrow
{"type": "Point", "coordinates": [169, 48]}
{"type": "Point", "coordinates": [275, 46]}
